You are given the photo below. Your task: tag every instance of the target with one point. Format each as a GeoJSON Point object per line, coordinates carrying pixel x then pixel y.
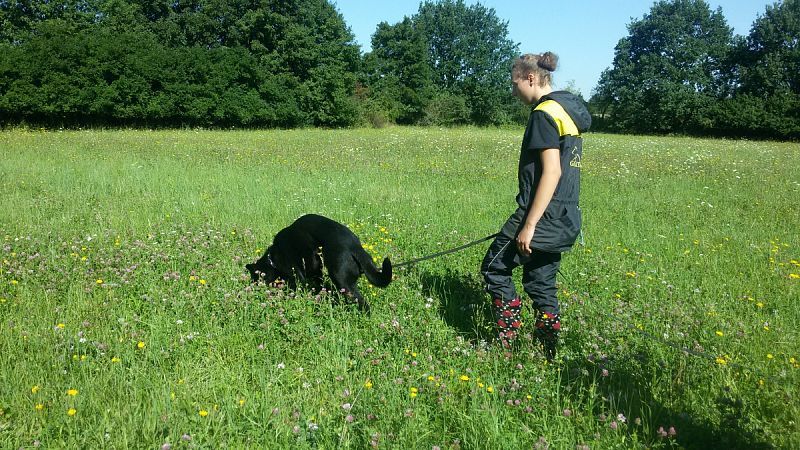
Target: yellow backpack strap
{"type": "Point", "coordinates": [566, 126]}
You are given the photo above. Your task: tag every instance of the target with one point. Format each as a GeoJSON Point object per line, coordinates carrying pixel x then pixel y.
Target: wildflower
{"type": "Point", "coordinates": [71, 412]}
{"type": "Point", "coordinates": [672, 432]}
{"type": "Point", "coordinates": [347, 406]}
{"type": "Point", "coordinates": [203, 413]}
{"type": "Point", "coordinates": [464, 378]}
{"type": "Point", "coordinates": [99, 281]}
{"type": "Point", "coordinates": [203, 282]}
{"type": "Point", "coordinates": [166, 446]}
{"type": "Point", "coordinates": [60, 326]}
{"type": "Point", "coordinates": [281, 366]}
{"type": "Point", "coordinates": [490, 389]}
{"type": "Point", "coordinates": [241, 402]}
{"type": "Point", "coordinates": [72, 392]}
{"type": "Point", "coordinates": [115, 360]}
{"type": "Point", "coordinates": [621, 417]}
{"type": "Point", "coordinates": [794, 276]}
{"type": "Point", "coordinates": [413, 392]}
{"type": "Point", "coordinates": [35, 389]}
{"type": "Point", "coordinates": [140, 345]}
{"type": "Point", "coordinates": [186, 437]}
{"type": "Point", "coordinates": [769, 356]}
{"type": "Point", "coordinates": [613, 425]}
{"type": "Point", "coordinates": [721, 361]}
{"type": "Point", "coordinates": [719, 333]}
{"type": "Point", "coordinates": [567, 413]}
{"type": "Point", "coordinates": [760, 305]}
{"type": "Point", "coordinates": [368, 384]}
{"type": "Point", "coordinates": [39, 406]}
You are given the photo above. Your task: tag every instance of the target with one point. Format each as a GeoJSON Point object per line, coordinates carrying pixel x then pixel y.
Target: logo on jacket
{"type": "Point", "coordinates": [576, 158]}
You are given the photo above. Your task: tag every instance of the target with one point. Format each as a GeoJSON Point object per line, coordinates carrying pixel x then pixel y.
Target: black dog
{"type": "Point", "coordinates": [294, 257]}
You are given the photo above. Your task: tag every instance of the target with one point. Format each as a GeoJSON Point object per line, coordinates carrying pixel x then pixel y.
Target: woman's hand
{"type": "Point", "coordinates": [524, 239]}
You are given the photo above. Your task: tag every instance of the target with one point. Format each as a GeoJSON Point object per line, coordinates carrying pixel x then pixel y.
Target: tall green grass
{"type": "Point", "coordinates": [128, 321]}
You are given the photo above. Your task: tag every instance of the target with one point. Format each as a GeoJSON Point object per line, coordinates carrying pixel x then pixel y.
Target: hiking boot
{"type": "Point", "coordinates": [547, 327]}
{"type": "Point", "coordinates": [507, 319]}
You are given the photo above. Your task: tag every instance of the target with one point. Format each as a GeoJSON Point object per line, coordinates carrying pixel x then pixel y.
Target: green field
{"type": "Point", "coordinates": [127, 319]}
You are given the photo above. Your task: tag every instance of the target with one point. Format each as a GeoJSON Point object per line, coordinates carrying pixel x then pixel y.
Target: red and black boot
{"type": "Point", "coordinates": [547, 327]}
{"type": "Point", "coordinates": [507, 317]}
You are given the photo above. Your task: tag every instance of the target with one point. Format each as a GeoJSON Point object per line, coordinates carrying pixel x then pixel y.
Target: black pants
{"type": "Point", "coordinates": [539, 268]}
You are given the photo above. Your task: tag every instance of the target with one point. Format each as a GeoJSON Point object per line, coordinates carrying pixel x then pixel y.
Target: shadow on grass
{"type": "Point", "coordinates": [463, 304]}
{"type": "Point", "coordinates": [632, 393]}
{"type": "Point", "coordinates": [465, 307]}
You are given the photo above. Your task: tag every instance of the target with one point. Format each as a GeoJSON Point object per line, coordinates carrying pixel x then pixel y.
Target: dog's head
{"type": "Point", "coordinates": [263, 269]}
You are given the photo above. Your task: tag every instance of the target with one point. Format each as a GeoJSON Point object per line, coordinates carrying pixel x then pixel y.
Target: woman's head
{"type": "Point", "coordinates": [541, 66]}
{"type": "Point", "coordinates": [531, 76]}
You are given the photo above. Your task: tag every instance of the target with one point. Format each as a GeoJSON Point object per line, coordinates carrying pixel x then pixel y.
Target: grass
{"type": "Point", "coordinates": [128, 322]}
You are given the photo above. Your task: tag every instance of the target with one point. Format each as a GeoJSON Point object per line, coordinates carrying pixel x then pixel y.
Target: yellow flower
{"type": "Point", "coordinates": [203, 282]}
{"type": "Point", "coordinates": [140, 345]}
{"type": "Point", "coordinates": [192, 278]}
{"type": "Point", "coordinates": [431, 378]}
{"type": "Point", "coordinates": [769, 356]}
{"type": "Point", "coordinates": [203, 413]}
{"type": "Point", "coordinates": [71, 412]}
{"type": "Point", "coordinates": [760, 305]}
{"type": "Point", "coordinates": [35, 388]}
{"type": "Point", "coordinates": [115, 360]}
{"type": "Point", "coordinates": [490, 389]}
{"type": "Point", "coordinates": [99, 281]}
{"type": "Point", "coordinates": [413, 392]}
{"type": "Point", "coordinates": [72, 392]}
{"type": "Point", "coordinates": [368, 384]}
{"type": "Point", "coordinates": [241, 402]}
{"type": "Point", "coordinates": [719, 333]}
{"type": "Point", "coordinates": [39, 406]}
{"type": "Point", "coordinates": [463, 378]}
{"type": "Point", "coordinates": [721, 361]}
{"type": "Point", "coordinates": [794, 276]}
{"type": "Point", "coordinates": [60, 326]}
{"type": "Point", "coordinates": [480, 385]}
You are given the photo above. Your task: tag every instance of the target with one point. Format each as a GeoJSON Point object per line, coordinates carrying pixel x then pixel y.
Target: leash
{"type": "Point", "coordinates": [445, 252]}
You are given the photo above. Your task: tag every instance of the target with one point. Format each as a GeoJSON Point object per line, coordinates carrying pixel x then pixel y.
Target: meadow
{"type": "Point", "coordinates": [127, 319]}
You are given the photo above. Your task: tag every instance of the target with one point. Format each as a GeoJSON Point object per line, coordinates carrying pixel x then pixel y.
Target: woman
{"type": "Point", "coordinates": [547, 219]}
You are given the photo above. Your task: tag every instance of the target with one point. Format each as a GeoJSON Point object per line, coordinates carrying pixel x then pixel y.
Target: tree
{"type": "Point", "coordinates": [397, 70]}
{"type": "Point", "coordinates": [471, 56]}
{"type": "Point", "coordinates": [668, 71]}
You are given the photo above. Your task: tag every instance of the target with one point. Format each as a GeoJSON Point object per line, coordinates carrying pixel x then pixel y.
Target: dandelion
{"type": "Point", "coordinates": [140, 345]}
{"type": "Point", "coordinates": [203, 413]}
{"type": "Point", "coordinates": [241, 402]}
{"type": "Point", "coordinates": [35, 389]}
{"type": "Point", "coordinates": [99, 281]}
{"type": "Point", "coordinates": [769, 356]}
{"type": "Point", "coordinates": [368, 384]}
{"type": "Point", "coordinates": [72, 392]}
{"type": "Point", "coordinates": [39, 407]}
{"type": "Point", "coordinates": [490, 389]}
{"type": "Point", "coordinates": [71, 412]}
{"type": "Point", "coordinates": [794, 276]}
{"type": "Point", "coordinates": [721, 361]}
{"type": "Point", "coordinates": [60, 326]}
{"type": "Point", "coordinates": [464, 378]}
{"type": "Point", "coordinates": [115, 360]}
{"type": "Point", "coordinates": [413, 392]}
{"type": "Point", "coordinates": [719, 333]}
{"type": "Point", "coordinates": [202, 282]}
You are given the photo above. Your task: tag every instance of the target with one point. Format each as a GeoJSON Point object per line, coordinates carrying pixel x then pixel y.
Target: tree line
{"type": "Point", "coordinates": [294, 63]}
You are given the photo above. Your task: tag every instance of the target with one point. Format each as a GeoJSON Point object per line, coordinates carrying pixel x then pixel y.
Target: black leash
{"type": "Point", "coordinates": [446, 252]}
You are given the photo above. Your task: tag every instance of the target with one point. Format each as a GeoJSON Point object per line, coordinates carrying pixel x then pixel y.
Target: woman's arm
{"type": "Point", "coordinates": [551, 173]}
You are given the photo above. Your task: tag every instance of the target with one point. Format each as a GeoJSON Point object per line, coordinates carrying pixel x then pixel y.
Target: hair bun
{"type": "Point", "coordinates": [547, 61]}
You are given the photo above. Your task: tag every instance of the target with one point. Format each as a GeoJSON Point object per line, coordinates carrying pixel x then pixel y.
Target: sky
{"type": "Point", "coordinates": [582, 33]}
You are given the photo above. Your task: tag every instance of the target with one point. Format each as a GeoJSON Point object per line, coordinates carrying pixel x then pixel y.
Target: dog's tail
{"type": "Point", "coordinates": [380, 278]}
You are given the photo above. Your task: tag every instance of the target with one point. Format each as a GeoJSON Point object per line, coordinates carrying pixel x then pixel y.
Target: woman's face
{"type": "Point", "coordinates": [524, 88]}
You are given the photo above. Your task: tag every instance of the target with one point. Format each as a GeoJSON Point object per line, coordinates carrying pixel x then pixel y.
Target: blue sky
{"type": "Point", "coordinates": [582, 32]}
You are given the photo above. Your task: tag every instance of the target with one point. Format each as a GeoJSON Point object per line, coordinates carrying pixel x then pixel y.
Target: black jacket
{"type": "Point", "coordinates": [554, 126]}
